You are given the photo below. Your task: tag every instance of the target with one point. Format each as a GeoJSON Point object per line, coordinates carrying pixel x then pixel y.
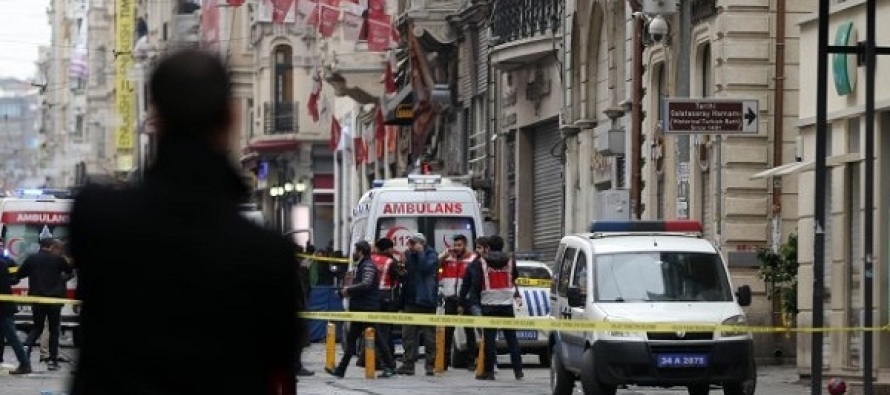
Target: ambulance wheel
{"type": "Point", "coordinates": [458, 358]}
{"type": "Point", "coordinates": [561, 381]}
{"type": "Point", "coordinates": [589, 382]}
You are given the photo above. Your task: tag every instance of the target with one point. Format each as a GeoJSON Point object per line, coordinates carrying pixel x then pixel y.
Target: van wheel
{"type": "Point", "coordinates": [561, 381]}
{"type": "Point", "coordinates": [746, 387]}
{"type": "Point", "coordinates": [699, 389]}
{"type": "Point", "coordinates": [589, 382]}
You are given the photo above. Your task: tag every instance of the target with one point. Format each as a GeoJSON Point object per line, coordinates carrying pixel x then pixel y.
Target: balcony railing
{"type": "Point", "coordinates": [521, 19]}
{"type": "Point", "coordinates": [281, 118]}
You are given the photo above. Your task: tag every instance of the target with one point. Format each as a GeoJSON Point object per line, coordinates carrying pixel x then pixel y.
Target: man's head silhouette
{"type": "Point", "coordinates": [191, 98]}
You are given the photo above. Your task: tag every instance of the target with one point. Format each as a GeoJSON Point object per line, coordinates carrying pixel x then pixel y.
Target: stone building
{"type": "Point", "coordinates": [844, 197]}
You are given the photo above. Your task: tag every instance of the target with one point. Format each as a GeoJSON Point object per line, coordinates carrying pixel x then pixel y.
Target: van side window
{"type": "Point", "coordinates": [565, 270]}
{"type": "Point", "coordinates": [580, 278]}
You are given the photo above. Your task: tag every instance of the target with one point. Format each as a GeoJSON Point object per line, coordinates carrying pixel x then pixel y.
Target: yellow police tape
{"type": "Point", "coordinates": [550, 324]}
{"type": "Point", "coordinates": [323, 258]}
{"type": "Point", "coordinates": [543, 324]}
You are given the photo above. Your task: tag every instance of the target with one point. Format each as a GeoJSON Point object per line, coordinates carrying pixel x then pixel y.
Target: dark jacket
{"type": "Point", "coordinates": [7, 280]}
{"type": "Point", "coordinates": [175, 283]}
{"type": "Point", "coordinates": [47, 274]}
{"type": "Point", "coordinates": [363, 293]}
{"type": "Point", "coordinates": [471, 289]}
{"type": "Point", "coordinates": [420, 286]}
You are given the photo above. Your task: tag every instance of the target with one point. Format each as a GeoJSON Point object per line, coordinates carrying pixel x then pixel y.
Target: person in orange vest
{"type": "Point", "coordinates": [452, 266]}
{"type": "Point", "coordinates": [387, 267]}
{"type": "Point", "coordinates": [493, 284]}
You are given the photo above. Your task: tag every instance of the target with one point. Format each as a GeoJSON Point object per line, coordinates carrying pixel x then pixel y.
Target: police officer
{"type": "Point", "coordinates": [453, 264]}
{"type": "Point", "coordinates": [494, 284]}
{"type": "Point", "coordinates": [364, 296]}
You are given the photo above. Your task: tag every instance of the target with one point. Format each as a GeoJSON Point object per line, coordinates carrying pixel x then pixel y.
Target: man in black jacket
{"type": "Point", "coordinates": [175, 282]}
{"type": "Point", "coordinates": [47, 273]}
{"type": "Point", "coordinates": [7, 319]}
{"type": "Point", "coordinates": [363, 296]}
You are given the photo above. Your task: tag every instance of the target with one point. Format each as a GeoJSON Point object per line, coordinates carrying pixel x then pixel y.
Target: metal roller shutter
{"type": "Point", "coordinates": [548, 191]}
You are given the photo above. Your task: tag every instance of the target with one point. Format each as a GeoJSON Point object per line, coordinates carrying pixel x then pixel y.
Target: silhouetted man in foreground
{"type": "Point", "coordinates": [181, 294]}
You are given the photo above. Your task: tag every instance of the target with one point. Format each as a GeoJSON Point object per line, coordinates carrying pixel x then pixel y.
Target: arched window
{"type": "Point", "coordinates": [283, 89]}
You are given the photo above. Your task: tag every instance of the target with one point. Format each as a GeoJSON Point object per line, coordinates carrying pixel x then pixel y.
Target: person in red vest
{"type": "Point", "coordinates": [387, 267]}
{"type": "Point", "coordinates": [452, 266]}
{"type": "Point", "coordinates": [493, 285]}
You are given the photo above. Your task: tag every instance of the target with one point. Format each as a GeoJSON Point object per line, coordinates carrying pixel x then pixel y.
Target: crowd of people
{"type": "Point", "coordinates": [459, 280]}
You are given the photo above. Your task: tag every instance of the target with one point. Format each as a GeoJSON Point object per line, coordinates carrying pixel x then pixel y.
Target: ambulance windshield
{"type": "Point", "coordinates": [439, 231]}
{"type": "Point", "coordinates": [661, 277]}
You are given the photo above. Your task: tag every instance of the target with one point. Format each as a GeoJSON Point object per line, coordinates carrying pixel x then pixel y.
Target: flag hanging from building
{"type": "Point", "coordinates": [379, 32]}
{"type": "Point", "coordinates": [336, 130]}
{"type": "Point", "coordinates": [236, 3]}
{"type": "Point", "coordinates": [210, 24]}
{"type": "Point", "coordinates": [78, 69]}
{"type": "Point", "coordinates": [280, 10]}
{"type": "Point", "coordinates": [328, 17]}
{"type": "Point", "coordinates": [314, 94]}
{"type": "Point", "coordinates": [304, 12]}
{"type": "Point", "coordinates": [353, 21]}
{"type": "Point", "coordinates": [360, 149]}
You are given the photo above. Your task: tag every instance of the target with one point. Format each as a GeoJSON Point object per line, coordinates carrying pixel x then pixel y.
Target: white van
{"type": "Point", "coordinates": [643, 272]}
{"type": "Point", "coordinates": [398, 208]}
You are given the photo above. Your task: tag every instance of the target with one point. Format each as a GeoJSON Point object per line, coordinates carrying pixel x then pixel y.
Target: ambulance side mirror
{"type": "Point", "coordinates": [744, 295]}
{"type": "Point", "coordinates": [575, 297]}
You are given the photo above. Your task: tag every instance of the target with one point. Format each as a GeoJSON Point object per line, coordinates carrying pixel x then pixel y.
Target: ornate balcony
{"type": "Point", "coordinates": [523, 30]}
{"type": "Point", "coordinates": [280, 118]}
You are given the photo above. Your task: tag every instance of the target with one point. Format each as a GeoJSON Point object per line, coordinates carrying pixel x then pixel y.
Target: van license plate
{"type": "Point", "coordinates": [521, 335]}
{"type": "Point", "coordinates": [682, 360]}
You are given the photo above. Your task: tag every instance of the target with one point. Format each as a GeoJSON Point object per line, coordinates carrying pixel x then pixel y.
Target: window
{"type": "Point", "coordinates": [439, 231]}
{"type": "Point", "coordinates": [661, 277]}
{"type": "Point", "coordinates": [564, 271]}
{"type": "Point", "coordinates": [579, 279]}
{"type": "Point", "coordinates": [533, 272]}
{"type": "Point", "coordinates": [283, 89]}
{"type": "Point", "coordinates": [22, 239]}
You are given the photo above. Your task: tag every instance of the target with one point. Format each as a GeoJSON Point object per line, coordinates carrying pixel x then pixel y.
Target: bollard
{"type": "Point", "coordinates": [439, 366]}
{"type": "Point", "coordinates": [370, 358]}
{"type": "Point", "coordinates": [480, 360]}
{"type": "Point", "coordinates": [330, 346]}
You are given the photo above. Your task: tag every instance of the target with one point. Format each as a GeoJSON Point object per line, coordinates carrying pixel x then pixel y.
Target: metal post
{"type": "Point", "coordinates": [868, 268]}
{"type": "Point", "coordinates": [682, 90]}
{"type": "Point", "coordinates": [819, 206]}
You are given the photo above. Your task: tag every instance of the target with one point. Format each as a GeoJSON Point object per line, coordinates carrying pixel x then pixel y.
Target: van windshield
{"type": "Point", "coordinates": [439, 231]}
{"type": "Point", "coordinates": [661, 277]}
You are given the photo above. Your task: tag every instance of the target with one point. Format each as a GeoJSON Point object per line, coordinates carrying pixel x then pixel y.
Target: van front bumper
{"type": "Point", "coordinates": [623, 362]}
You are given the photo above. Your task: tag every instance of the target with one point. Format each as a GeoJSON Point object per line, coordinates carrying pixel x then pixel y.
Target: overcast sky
{"type": "Point", "coordinates": [23, 29]}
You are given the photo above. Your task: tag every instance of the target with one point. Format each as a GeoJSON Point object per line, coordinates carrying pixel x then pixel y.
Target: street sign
{"type": "Point", "coordinates": [710, 116]}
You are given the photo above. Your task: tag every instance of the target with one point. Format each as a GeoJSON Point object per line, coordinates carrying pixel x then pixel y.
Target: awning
{"type": "Point", "coordinates": [797, 167]}
{"type": "Point", "coordinates": [272, 145]}
{"type": "Point", "coordinates": [399, 109]}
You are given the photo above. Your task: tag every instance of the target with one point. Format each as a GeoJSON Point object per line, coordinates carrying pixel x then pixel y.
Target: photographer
{"type": "Point", "coordinates": [364, 296]}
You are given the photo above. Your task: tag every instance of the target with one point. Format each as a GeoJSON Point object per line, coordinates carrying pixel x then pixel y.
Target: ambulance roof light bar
{"type": "Point", "coordinates": [675, 226]}
{"type": "Point", "coordinates": [424, 181]}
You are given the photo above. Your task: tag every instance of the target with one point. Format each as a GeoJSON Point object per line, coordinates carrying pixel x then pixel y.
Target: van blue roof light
{"type": "Point", "coordinates": [377, 184]}
{"type": "Point", "coordinates": [646, 226]}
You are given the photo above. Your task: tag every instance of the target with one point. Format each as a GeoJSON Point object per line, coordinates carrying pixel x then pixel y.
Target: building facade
{"type": "Point", "coordinates": [844, 204]}
{"type": "Point", "coordinates": [21, 131]}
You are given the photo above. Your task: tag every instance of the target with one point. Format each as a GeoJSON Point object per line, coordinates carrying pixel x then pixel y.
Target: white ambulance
{"type": "Point", "coordinates": [399, 208]}
{"type": "Point", "coordinates": [25, 217]}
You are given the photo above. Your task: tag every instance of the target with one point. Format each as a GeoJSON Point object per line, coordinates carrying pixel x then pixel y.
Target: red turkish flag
{"type": "Point", "coordinates": [312, 104]}
{"type": "Point", "coordinates": [360, 150]}
{"type": "Point", "coordinates": [379, 32]}
{"type": "Point", "coordinates": [330, 13]}
{"type": "Point", "coordinates": [236, 3]}
{"type": "Point", "coordinates": [280, 9]}
{"type": "Point", "coordinates": [379, 126]}
{"type": "Point", "coordinates": [377, 6]}
{"type": "Point", "coordinates": [335, 134]}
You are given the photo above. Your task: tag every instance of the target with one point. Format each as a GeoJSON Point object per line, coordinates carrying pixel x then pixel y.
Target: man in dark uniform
{"type": "Point", "coordinates": [173, 278]}
{"type": "Point", "coordinates": [7, 318]}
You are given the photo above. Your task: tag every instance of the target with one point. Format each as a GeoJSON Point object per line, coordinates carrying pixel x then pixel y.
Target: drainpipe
{"type": "Point", "coordinates": [636, 129]}
{"type": "Point", "coordinates": [778, 121]}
